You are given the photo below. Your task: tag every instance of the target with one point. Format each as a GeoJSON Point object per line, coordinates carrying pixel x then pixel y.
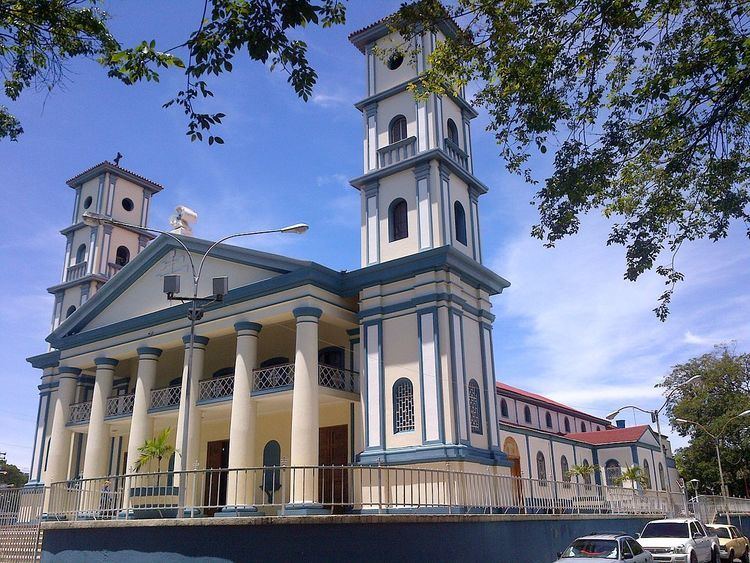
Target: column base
{"type": "Point", "coordinates": [305, 509]}
{"type": "Point", "coordinates": [238, 511]}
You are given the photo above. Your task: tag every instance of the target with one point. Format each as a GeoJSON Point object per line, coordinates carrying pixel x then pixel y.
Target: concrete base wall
{"type": "Point", "coordinates": [503, 539]}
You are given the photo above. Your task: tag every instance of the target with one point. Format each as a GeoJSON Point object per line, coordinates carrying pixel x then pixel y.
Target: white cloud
{"type": "Point", "coordinates": [333, 99]}
{"type": "Point", "coordinates": [691, 338]}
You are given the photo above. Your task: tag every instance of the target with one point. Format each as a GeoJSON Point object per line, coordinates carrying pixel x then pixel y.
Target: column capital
{"type": "Point", "coordinates": [247, 325]}
{"type": "Point", "coordinates": [149, 351]}
{"type": "Point", "coordinates": [307, 312]}
{"type": "Point", "coordinates": [67, 370]}
{"type": "Point", "coordinates": [199, 340]}
{"type": "Point", "coordinates": [106, 362]}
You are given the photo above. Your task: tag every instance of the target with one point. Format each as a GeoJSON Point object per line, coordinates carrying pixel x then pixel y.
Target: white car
{"type": "Point", "coordinates": [604, 548]}
{"type": "Point", "coordinates": [680, 540]}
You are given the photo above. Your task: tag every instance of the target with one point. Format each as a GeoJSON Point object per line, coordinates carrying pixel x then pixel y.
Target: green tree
{"type": "Point", "coordinates": [156, 448]}
{"type": "Point", "coordinates": [39, 37]}
{"type": "Point", "coordinates": [721, 394]}
{"type": "Point", "coordinates": [633, 474]}
{"type": "Point", "coordinates": [11, 475]}
{"type": "Point", "coordinates": [645, 105]}
{"type": "Point", "coordinates": [585, 472]}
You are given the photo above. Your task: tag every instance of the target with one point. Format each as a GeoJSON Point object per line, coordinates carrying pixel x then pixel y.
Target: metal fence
{"type": "Point", "coordinates": [708, 507]}
{"type": "Point", "coordinates": [353, 489]}
{"type": "Point", "coordinates": [20, 517]}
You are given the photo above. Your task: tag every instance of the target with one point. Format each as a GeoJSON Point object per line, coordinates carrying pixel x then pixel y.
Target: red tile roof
{"type": "Point", "coordinates": [539, 398]}
{"type": "Point", "coordinates": [611, 435]}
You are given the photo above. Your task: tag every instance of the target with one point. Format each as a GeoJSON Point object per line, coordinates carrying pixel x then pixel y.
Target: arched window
{"type": "Point", "coordinates": [662, 485]}
{"type": "Point", "coordinates": [475, 407]}
{"type": "Point", "coordinates": [397, 129]}
{"type": "Point", "coordinates": [460, 218]}
{"type": "Point", "coordinates": [647, 473]}
{"type": "Point", "coordinates": [122, 256]}
{"type": "Point", "coordinates": [503, 408]}
{"type": "Point", "coordinates": [452, 131]}
{"type": "Point", "coordinates": [398, 224]}
{"type": "Point", "coordinates": [583, 427]}
{"type": "Point", "coordinates": [598, 428]}
{"type": "Point", "coordinates": [548, 420]}
{"type": "Point", "coordinates": [567, 424]}
{"type": "Point", "coordinates": [612, 471]}
{"type": "Point", "coordinates": [586, 476]}
{"type": "Point", "coordinates": [223, 372]}
{"type": "Point", "coordinates": [403, 406]}
{"type": "Point", "coordinates": [271, 477]}
{"type": "Point", "coordinates": [81, 254]}
{"type": "Point", "coordinates": [527, 414]}
{"type": "Point", "coordinates": [565, 468]}
{"type": "Point", "coordinates": [541, 467]}
{"type": "Point", "coordinates": [70, 311]}
{"type": "Point", "coordinates": [87, 202]}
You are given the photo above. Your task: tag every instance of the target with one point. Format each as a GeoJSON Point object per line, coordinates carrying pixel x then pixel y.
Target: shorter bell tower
{"type": "Point", "coordinates": [94, 254]}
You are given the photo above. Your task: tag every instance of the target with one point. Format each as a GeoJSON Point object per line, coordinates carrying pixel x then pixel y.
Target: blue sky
{"type": "Point", "coordinates": [569, 327]}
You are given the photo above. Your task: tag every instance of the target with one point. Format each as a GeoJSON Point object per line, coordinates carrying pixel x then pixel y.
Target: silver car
{"type": "Point", "coordinates": [605, 548]}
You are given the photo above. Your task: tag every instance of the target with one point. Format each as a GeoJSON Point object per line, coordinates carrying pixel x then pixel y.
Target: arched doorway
{"type": "Point", "coordinates": [510, 448]}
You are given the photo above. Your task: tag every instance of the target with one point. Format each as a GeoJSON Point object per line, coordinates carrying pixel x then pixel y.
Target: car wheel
{"type": "Point", "coordinates": [693, 558]}
{"type": "Point", "coordinates": [746, 556]}
{"type": "Point", "coordinates": [715, 557]}
{"type": "Point", "coordinates": [731, 556]}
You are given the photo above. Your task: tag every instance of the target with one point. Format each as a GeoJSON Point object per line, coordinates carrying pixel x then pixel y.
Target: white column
{"type": "Point", "coordinates": [305, 409]}
{"type": "Point", "coordinates": [141, 426]}
{"type": "Point", "coordinates": [95, 462]}
{"type": "Point", "coordinates": [242, 424]}
{"type": "Point", "coordinates": [59, 447]}
{"type": "Point", "coordinates": [192, 454]}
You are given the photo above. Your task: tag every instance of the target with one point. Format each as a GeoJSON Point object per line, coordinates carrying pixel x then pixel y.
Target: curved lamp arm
{"type": "Point", "coordinates": [613, 414]}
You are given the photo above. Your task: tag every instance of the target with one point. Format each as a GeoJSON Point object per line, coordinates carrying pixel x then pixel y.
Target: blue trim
{"type": "Point", "coordinates": [147, 350]}
{"type": "Point", "coordinates": [464, 382]}
{"type": "Point", "coordinates": [438, 452]}
{"type": "Point", "coordinates": [528, 456]}
{"type": "Point", "coordinates": [247, 325]}
{"type": "Point", "coordinates": [48, 360]}
{"type": "Point", "coordinates": [351, 433]}
{"type": "Point", "coordinates": [423, 299]}
{"type": "Point", "coordinates": [307, 312]}
{"type": "Point", "coordinates": [421, 378]}
{"type": "Point", "coordinates": [200, 340]}
{"type": "Point", "coordinates": [454, 380]}
{"type": "Point", "coordinates": [68, 369]}
{"type": "Point", "coordinates": [153, 410]}
{"type": "Point", "coordinates": [36, 436]}
{"type": "Point", "coordinates": [671, 463]}
{"type": "Point", "coordinates": [106, 362]}
{"type": "Point", "coordinates": [272, 390]}
{"type": "Point", "coordinates": [44, 437]}
{"type": "Point", "coordinates": [634, 453]}
{"type": "Point", "coordinates": [111, 453]}
{"type": "Point", "coordinates": [353, 331]}
{"type": "Point", "coordinates": [79, 449]}
{"type": "Point", "coordinates": [595, 461]}
{"type": "Point", "coordinates": [216, 400]}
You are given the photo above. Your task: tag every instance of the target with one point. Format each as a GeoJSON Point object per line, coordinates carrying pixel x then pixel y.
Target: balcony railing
{"type": "Point", "coordinates": [398, 151]}
{"type": "Point", "coordinates": [120, 406]}
{"type": "Point", "coordinates": [337, 378]}
{"type": "Point", "coordinates": [76, 271]}
{"type": "Point", "coordinates": [166, 397]}
{"type": "Point", "coordinates": [112, 269]}
{"type": "Point", "coordinates": [456, 154]}
{"type": "Point", "coordinates": [273, 377]}
{"type": "Point", "coordinates": [216, 388]}
{"type": "Point", "coordinates": [79, 413]}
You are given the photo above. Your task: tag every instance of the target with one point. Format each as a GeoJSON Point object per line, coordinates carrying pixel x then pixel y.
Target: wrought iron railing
{"type": "Point", "coordinates": [166, 397]}
{"type": "Point", "coordinates": [216, 388]}
{"type": "Point", "coordinates": [79, 413]}
{"type": "Point", "coordinates": [338, 378]}
{"type": "Point", "coordinates": [120, 405]}
{"type": "Point", "coordinates": [76, 271]}
{"type": "Point", "coordinates": [273, 377]}
{"type": "Point", "coordinates": [456, 154]}
{"type": "Point", "coordinates": [398, 151]}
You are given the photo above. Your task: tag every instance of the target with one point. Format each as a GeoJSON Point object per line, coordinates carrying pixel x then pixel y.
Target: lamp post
{"type": "Point", "coordinates": [655, 418]}
{"type": "Point", "coordinates": [717, 439]}
{"type": "Point", "coordinates": [195, 312]}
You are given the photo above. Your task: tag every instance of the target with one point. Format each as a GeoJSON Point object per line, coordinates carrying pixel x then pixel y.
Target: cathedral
{"type": "Point", "coordinates": [294, 364]}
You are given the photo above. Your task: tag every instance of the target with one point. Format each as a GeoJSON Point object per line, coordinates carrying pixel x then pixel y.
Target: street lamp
{"type": "Point", "coordinates": [655, 418]}
{"type": "Point", "coordinates": [195, 312]}
{"type": "Point", "coordinates": [717, 439]}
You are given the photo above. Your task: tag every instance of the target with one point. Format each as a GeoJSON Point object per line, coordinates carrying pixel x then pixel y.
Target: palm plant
{"type": "Point", "coordinates": [156, 448]}
{"type": "Point", "coordinates": [635, 474]}
{"type": "Point", "coordinates": [585, 471]}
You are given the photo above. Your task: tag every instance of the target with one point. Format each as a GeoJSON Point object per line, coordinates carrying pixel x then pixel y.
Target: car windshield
{"type": "Point", "coordinates": [583, 549]}
{"type": "Point", "coordinates": [665, 530]}
{"type": "Point", "coordinates": [721, 532]}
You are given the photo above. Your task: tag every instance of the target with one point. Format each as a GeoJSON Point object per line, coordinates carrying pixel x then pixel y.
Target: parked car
{"type": "Point", "coordinates": [605, 548]}
{"type": "Point", "coordinates": [733, 544]}
{"type": "Point", "coordinates": [680, 540]}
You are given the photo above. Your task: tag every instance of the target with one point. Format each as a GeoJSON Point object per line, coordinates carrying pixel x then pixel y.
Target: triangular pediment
{"type": "Point", "coordinates": [649, 437]}
{"type": "Point", "coordinates": [137, 289]}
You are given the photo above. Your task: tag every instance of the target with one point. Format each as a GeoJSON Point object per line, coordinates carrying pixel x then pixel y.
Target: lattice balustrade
{"type": "Point", "coordinates": [273, 377]}
{"type": "Point", "coordinates": [216, 388]}
{"type": "Point", "coordinates": [165, 397]}
{"type": "Point", "coordinates": [120, 405]}
{"type": "Point", "coordinates": [79, 413]}
{"type": "Point", "coordinates": [337, 378]}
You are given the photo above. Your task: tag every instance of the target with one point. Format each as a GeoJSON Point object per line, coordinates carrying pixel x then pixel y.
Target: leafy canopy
{"type": "Point", "coordinates": [38, 37]}
{"type": "Point", "coordinates": [723, 393]}
{"type": "Point", "coordinates": [644, 103]}
{"type": "Point", "coordinates": [156, 448]}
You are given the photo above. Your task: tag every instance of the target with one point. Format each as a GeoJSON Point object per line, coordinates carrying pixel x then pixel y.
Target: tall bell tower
{"type": "Point", "coordinates": [94, 254]}
{"type": "Point", "coordinates": [418, 188]}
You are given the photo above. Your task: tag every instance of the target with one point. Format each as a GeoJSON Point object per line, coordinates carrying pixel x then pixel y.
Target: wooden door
{"type": "Point", "coordinates": [510, 448]}
{"type": "Point", "coordinates": [215, 483]}
{"type": "Point", "coordinates": [333, 483]}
